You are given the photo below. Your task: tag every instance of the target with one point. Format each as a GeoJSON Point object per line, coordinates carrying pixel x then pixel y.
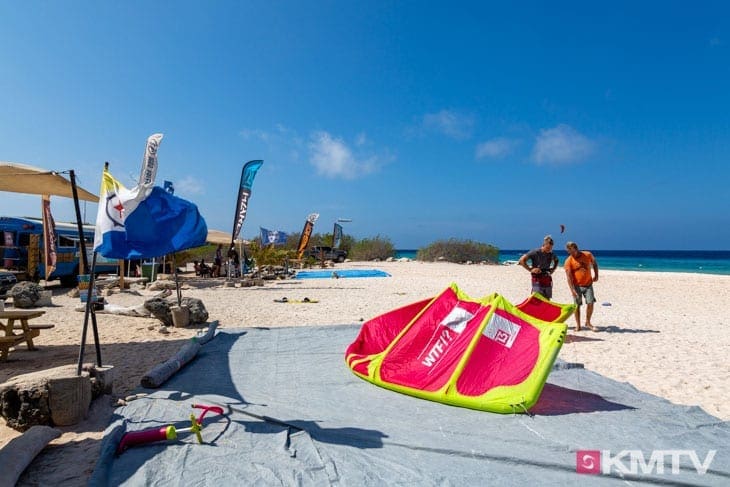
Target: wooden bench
{"type": "Point", "coordinates": [28, 331]}
{"type": "Point", "coordinates": [43, 326]}
{"type": "Point", "coordinates": [7, 342]}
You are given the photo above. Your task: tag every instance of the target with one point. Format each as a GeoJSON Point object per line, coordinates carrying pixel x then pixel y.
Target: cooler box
{"type": "Point", "coordinates": [149, 271]}
{"type": "Point", "coordinates": [84, 289]}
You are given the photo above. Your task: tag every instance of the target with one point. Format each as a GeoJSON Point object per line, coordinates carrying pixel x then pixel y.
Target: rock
{"type": "Point", "coordinates": [161, 284]}
{"type": "Point", "coordinates": [198, 313]}
{"type": "Point", "coordinates": [161, 309]}
{"type": "Point", "coordinates": [55, 396]}
{"type": "Point", "coordinates": [44, 299]}
{"type": "Point", "coordinates": [25, 294]}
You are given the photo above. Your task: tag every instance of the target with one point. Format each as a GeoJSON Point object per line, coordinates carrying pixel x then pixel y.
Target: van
{"type": "Point", "coordinates": [327, 253]}
{"type": "Point", "coordinates": [22, 250]}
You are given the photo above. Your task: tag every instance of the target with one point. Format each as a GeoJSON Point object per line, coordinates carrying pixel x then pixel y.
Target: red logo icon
{"type": "Point", "coordinates": [502, 337]}
{"type": "Point", "coordinates": [588, 461]}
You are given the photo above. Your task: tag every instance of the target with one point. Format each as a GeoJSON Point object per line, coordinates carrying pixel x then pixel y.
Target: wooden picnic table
{"type": "Point", "coordinates": [28, 331]}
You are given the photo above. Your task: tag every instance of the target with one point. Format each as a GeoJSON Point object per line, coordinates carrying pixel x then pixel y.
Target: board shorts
{"type": "Point", "coordinates": [586, 291]}
{"type": "Point", "coordinates": [543, 284]}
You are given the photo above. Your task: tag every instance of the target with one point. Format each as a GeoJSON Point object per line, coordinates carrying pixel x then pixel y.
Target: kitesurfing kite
{"type": "Point", "coordinates": [484, 354]}
{"type": "Point", "coordinates": [562, 228]}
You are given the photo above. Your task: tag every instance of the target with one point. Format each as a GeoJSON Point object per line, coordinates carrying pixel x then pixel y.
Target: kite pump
{"type": "Point", "coordinates": [169, 432]}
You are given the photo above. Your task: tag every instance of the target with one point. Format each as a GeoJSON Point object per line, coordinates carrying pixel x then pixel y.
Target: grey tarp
{"type": "Point", "coordinates": [298, 416]}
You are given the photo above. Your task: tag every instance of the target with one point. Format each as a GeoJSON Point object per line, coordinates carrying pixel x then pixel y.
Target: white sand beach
{"type": "Point", "coordinates": [664, 333]}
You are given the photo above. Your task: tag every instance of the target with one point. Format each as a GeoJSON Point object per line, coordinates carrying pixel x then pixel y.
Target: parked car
{"type": "Point", "coordinates": [327, 253]}
{"type": "Point", "coordinates": [7, 281]}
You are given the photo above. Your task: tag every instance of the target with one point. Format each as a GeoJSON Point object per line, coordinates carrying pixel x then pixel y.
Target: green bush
{"type": "Point", "coordinates": [458, 251]}
{"type": "Point", "coordinates": [371, 248]}
{"type": "Point", "coordinates": [269, 254]}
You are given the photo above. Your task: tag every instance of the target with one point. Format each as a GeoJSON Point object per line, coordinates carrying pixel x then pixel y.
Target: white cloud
{"type": "Point", "coordinates": [496, 148]}
{"type": "Point", "coordinates": [450, 123]}
{"type": "Point", "coordinates": [333, 158]}
{"type": "Point", "coordinates": [561, 145]}
{"type": "Point", "coordinates": [188, 185]}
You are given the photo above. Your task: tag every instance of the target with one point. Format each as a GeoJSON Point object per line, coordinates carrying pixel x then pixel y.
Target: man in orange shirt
{"type": "Point", "coordinates": [578, 271]}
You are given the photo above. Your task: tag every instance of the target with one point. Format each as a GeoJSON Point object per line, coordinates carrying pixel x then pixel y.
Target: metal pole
{"type": "Point", "coordinates": [85, 265]}
{"type": "Point", "coordinates": [177, 280]}
{"type": "Point", "coordinates": [89, 311]}
{"type": "Point", "coordinates": [79, 222]}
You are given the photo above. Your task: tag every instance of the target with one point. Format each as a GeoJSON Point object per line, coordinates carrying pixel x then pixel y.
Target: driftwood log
{"type": "Point", "coordinates": [20, 451]}
{"type": "Point", "coordinates": [161, 372]}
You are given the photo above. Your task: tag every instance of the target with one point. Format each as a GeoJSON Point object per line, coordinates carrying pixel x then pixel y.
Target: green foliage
{"type": "Point", "coordinates": [315, 240]}
{"type": "Point", "coordinates": [458, 251]}
{"type": "Point", "coordinates": [269, 254]}
{"type": "Point", "coordinates": [371, 248]}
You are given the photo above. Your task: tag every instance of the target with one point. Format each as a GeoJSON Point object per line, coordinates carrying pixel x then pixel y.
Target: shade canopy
{"type": "Point", "coordinates": [21, 178]}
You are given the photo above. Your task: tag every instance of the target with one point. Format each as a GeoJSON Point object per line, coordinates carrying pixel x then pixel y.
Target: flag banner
{"type": "Point", "coordinates": [306, 234]}
{"type": "Point", "coordinates": [49, 237]}
{"type": "Point", "coordinates": [149, 162]}
{"type": "Point", "coordinates": [337, 236]}
{"type": "Point", "coordinates": [8, 243]}
{"type": "Point", "coordinates": [272, 237]}
{"type": "Point", "coordinates": [244, 193]}
{"type": "Point", "coordinates": [143, 223]}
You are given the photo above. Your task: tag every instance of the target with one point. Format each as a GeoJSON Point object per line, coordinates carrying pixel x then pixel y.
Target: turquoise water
{"type": "Point", "coordinates": [697, 261]}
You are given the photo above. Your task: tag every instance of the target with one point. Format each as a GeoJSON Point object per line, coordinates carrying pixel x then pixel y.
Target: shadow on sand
{"type": "Point", "coordinates": [557, 400]}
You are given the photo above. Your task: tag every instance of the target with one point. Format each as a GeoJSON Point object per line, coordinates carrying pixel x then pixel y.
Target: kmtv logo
{"type": "Point", "coordinates": [596, 462]}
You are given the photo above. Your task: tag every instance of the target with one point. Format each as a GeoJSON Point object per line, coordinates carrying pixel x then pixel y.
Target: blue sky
{"type": "Point", "coordinates": [419, 121]}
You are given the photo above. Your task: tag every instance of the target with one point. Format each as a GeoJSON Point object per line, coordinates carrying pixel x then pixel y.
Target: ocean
{"type": "Point", "coordinates": [697, 261]}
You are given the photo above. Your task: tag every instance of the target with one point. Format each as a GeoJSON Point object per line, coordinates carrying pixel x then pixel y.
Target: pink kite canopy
{"type": "Point", "coordinates": [484, 354]}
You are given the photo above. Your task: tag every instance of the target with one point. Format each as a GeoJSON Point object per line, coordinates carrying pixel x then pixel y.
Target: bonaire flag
{"type": "Point", "coordinates": [145, 221]}
{"type": "Point", "coordinates": [272, 237]}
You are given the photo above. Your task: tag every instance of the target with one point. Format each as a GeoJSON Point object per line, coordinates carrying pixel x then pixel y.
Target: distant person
{"type": "Point", "coordinates": [543, 263]}
{"type": "Point", "coordinates": [578, 271]}
{"type": "Point", "coordinates": [205, 269]}
{"type": "Point", "coordinates": [218, 261]}
{"type": "Point", "coordinates": [233, 256]}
